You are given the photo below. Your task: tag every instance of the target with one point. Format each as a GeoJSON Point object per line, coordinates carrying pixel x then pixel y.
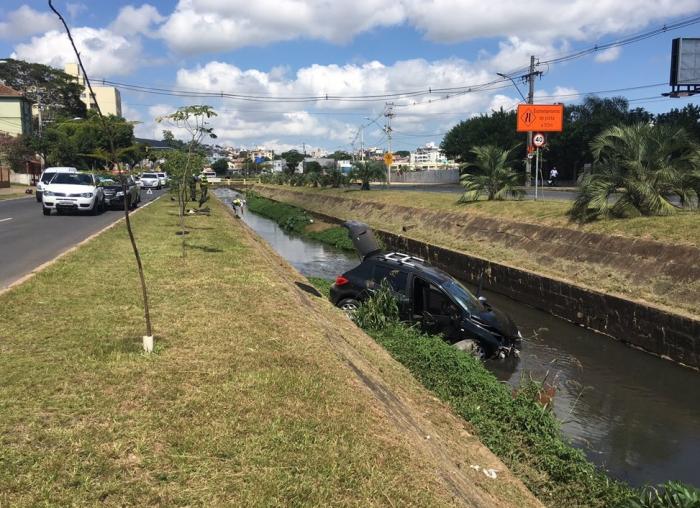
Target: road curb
{"type": "Point", "coordinates": [75, 247]}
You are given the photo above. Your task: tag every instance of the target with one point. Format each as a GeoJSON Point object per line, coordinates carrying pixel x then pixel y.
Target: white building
{"type": "Point", "coordinates": [277, 166]}
{"type": "Point", "coordinates": [108, 98]}
{"type": "Point", "coordinates": [429, 156]}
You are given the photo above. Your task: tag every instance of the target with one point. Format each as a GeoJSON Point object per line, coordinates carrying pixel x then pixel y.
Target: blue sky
{"type": "Point", "coordinates": [276, 48]}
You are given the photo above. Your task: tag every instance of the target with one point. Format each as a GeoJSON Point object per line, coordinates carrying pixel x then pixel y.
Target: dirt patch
{"type": "Point", "coordinates": [318, 226]}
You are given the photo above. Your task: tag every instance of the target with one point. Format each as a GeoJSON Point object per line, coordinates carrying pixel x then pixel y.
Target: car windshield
{"type": "Point", "coordinates": [148, 175]}
{"type": "Point", "coordinates": [463, 296]}
{"type": "Point", "coordinates": [73, 179]}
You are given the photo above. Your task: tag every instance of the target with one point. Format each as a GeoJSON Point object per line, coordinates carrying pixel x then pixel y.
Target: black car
{"type": "Point", "coordinates": [114, 192]}
{"type": "Point", "coordinates": [427, 296]}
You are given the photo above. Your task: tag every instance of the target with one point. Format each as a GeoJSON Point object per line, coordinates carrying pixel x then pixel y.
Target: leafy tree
{"type": "Point", "coordinates": [293, 158]}
{"type": "Point", "coordinates": [220, 166]}
{"type": "Point", "coordinates": [497, 128]}
{"type": "Point", "coordinates": [340, 155]}
{"type": "Point", "coordinates": [688, 118]}
{"type": "Point", "coordinates": [492, 175]}
{"type": "Point", "coordinates": [367, 172]}
{"type": "Point", "coordinates": [58, 92]}
{"type": "Point", "coordinates": [170, 140]}
{"type": "Point", "coordinates": [14, 151]}
{"type": "Point", "coordinates": [334, 178]}
{"type": "Point", "coordinates": [402, 153]}
{"type": "Point", "coordinates": [637, 170]}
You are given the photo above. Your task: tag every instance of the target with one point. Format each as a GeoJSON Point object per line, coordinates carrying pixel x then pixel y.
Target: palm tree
{"type": "Point", "coordinates": [494, 175]}
{"type": "Point", "coordinates": [638, 170]}
{"type": "Point", "coordinates": [366, 172]}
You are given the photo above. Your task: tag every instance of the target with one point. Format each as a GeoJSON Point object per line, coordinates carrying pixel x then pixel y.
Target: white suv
{"type": "Point", "coordinates": [73, 191]}
{"type": "Point", "coordinates": [163, 177]}
{"type": "Point", "coordinates": [46, 177]}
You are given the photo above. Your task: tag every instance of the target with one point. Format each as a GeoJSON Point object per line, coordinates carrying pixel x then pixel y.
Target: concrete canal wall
{"type": "Point", "coordinates": [652, 328]}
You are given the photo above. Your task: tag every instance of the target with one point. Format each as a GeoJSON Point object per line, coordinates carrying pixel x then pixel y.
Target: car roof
{"type": "Point", "coordinates": [410, 264]}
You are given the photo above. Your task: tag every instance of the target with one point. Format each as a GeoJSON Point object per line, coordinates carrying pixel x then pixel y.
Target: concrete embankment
{"type": "Point", "coordinates": [569, 273]}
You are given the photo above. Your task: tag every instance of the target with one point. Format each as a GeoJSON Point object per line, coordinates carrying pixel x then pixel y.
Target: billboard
{"type": "Point", "coordinates": [685, 62]}
{"type": "Point", "coordinates": [540, 117]}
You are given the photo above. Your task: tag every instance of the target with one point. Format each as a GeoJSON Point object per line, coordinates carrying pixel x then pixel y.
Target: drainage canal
{"type": "Point", "coordinates": [633, 414]}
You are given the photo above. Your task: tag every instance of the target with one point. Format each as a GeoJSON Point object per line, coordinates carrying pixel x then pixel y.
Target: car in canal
{"type": "Point", "coordinates": [114, 192]}
{"type": "Point", "coordinates": [73, 192]}
{"type": "Point", "coordinates": [427, 296]}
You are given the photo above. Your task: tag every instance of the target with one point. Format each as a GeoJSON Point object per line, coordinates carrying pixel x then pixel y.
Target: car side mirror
{"type": "Point", "coordinates": [483, 300]}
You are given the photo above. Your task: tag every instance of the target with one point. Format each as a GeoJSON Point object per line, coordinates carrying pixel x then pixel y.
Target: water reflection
{"type": "Point", "coordinates": [635, 415]}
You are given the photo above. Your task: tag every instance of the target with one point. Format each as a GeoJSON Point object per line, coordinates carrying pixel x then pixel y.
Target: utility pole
{"type": "Point", "coordinates": [389, 114]}
{"type": "Point", "coordinates": [530, 99]}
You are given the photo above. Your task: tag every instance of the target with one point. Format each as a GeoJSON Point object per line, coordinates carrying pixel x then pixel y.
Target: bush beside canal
{"type": "Point", "coordinates": [295, 220]}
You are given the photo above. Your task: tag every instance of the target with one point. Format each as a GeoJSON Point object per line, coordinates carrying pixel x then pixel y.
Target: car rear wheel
{"type": "Point", "coordinates": [473, 347]}
{"type": "Point", "coordinates": [47, 211]}
{"type": "Point", "coordinates": [349, 306]}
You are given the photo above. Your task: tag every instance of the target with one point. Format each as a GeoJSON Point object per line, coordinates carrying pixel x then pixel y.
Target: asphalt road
{"type": "Point", "coordinates": [547, 193]}
{"type": "Point", "coordinates": [29, 239]}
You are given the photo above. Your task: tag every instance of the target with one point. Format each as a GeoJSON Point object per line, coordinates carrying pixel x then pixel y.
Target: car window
{"type": "Point", "coordinates": [73, 179]}
{"type": "Point", "coordinates": [464, 297]}
{"type": "Point", "coordinates": [395, 277]}
{"type": "Point", "coordinates": [148, 175]}
{"type": "Point", "coordinates": [437, 302]}
{"type": "Point", "coordinates": [46, 177]}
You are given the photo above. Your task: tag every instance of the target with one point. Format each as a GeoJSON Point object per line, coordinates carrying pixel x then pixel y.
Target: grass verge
{"type": "Point", "coordinates": [243, 402]}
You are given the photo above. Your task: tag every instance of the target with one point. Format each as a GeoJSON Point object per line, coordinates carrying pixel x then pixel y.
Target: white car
{"type": "Point", "coordinates": [150, 181]}
{"type": "Point", "coordinates": [163, 177]}
{"type": "Point", "coordinates": [73, 191]}
{"type": "Point", "coordinates": [46, 177]}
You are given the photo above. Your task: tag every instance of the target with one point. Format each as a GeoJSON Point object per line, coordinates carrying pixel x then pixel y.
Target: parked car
{"type": "Point", "coordinates": [150, 181]}
{"type": "Point", "coordinates": [73, 191]}
{"type": "Point", "coordinates": [426, 296]}
{"type": "Point", "coordinates": [163, 177]}
{"type": "Point", "coordinates": [46, 177]}
{"type": "Point", "coordinates": [114, 192]}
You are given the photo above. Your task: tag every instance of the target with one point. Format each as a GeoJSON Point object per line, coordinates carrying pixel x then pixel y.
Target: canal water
{"type": "Point", "coordinates": [631, 413]}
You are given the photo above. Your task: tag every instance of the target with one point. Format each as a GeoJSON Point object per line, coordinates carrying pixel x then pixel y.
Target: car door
{"type": "Point", "coordinates": [398, 282]}
{"type": "Point", "coordinates": [433, 309]}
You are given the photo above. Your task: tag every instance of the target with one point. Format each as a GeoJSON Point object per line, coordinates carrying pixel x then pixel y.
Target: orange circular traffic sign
{"type": "Point", "coordinates": [388, 158]}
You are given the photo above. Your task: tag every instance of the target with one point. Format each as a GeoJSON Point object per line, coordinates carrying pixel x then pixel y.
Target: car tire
{"type": "Point", "coordinates": [95, 208]}
{"type": "Point", "coordinates": [47, 211]}
{"type": "Point", "coordinates": [38, 197]}
{"type": "Point", "coordinates": [472, 347]}
{"type": "Point", "coordinates": [349, 306]}
{"type": "Point", "coordinates": [59, 211]}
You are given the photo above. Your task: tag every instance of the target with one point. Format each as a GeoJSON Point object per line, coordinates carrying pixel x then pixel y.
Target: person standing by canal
{"type": "Point", "coordinates": [193, 187]}
{"type": "Point", "coordinates": [203, 188]}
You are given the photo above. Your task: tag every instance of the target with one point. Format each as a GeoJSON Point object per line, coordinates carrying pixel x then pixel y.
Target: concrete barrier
{"type": "Point", "coordinates": [444, 176]}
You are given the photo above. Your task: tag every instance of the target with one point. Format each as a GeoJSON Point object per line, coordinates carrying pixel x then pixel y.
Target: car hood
{"type": "Point", "coordinates": [497, 320]}
{"type": "Point", "coordinates": [69, 189]}
{"type": "Point", "coordinates": [362, 238]}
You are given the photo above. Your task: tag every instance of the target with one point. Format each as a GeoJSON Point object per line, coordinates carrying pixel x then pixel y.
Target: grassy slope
{"type": "Point", "coordinates": [243, 403]}
{"type": "Point", "coordinates": [681, 228]}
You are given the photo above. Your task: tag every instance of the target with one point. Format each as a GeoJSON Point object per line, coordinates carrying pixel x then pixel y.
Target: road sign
{"type": "Point", "coordinates": [538, 139]}
{"type": "Point", "coordinates": [149, 191]}
{"type": "Point", "coordinates": [540, 117]}
{"type": "Point", "coordinates": [388, 158]}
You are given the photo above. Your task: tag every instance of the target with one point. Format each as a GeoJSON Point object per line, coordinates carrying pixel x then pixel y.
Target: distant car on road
{"type": "Point", "coordinates": [150, 181]}
{"type": "Point", "coordinates": [426, 296]}
{"type": "Point", "coordinates": [114, 192]}
{"type": "Point", "coordinates": [73, 191]}
{"type": "Point", "coordinates": [46, 177]}
{"type": "Point", "coordinates": [163, 177]}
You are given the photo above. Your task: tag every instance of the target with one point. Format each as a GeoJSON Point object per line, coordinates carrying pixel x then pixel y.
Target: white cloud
{"type": "Point", "coordinates": [136, 20]}
{"type": "Point", "coordinates": [104, 53]}
{"type": "Point", "coordinates": [75, 8]}
{"type": "Point", "coordinates": [609, 55]}
{"type": "Point", "coordinates": [25, 21]}
{"type": "Point", "coordinates": [217, 25]}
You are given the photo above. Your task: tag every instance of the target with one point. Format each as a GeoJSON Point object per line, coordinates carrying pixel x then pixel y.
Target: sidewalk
{"type": "Point", "coordinates": [15, 191]}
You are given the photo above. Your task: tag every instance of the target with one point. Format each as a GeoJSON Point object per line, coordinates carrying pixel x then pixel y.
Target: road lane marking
{"type": "Point", "coordinates": [3, 220]}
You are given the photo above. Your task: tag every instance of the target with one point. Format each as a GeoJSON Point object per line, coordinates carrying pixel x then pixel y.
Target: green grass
{"type": "Point", "coordinates": [684, 227]}
{"type": "Point", "coordinates": [243, 402]}
{"type": "Point", "coordinates": [295, 220]}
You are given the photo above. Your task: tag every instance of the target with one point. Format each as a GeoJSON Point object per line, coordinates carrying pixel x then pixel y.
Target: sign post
{"type": "Point", "coordinates": [539, 118]}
